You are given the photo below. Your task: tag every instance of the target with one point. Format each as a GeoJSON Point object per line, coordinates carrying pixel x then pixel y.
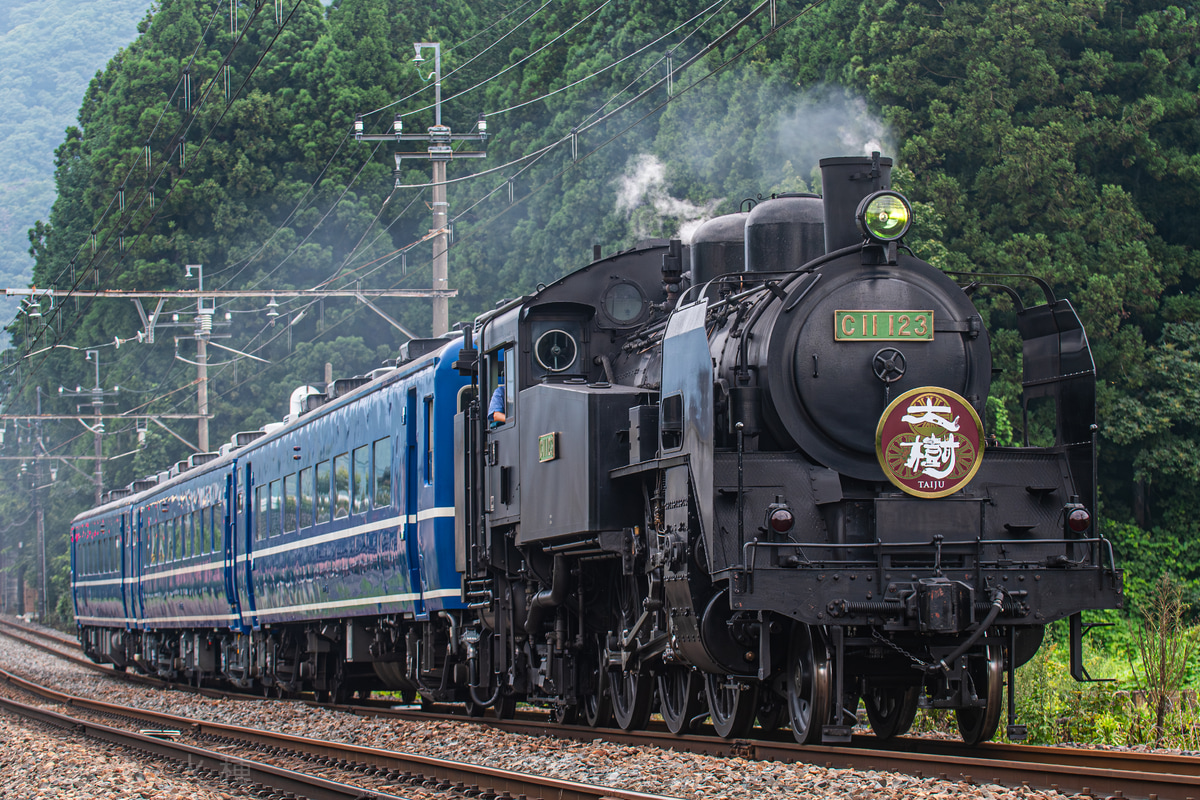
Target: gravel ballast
{"type": "Point", "coordinates": [620, 766]}
{"type": "Point", "coordinates": [37, 763]}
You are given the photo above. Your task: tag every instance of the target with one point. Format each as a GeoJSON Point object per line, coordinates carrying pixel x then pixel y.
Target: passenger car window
{"type": "Point", "coordinates": [362, 475]}
{"type": "Point", "coordinates": [324, 506]}
{"type": "Point", "coordinates": [219, 527]}
{"type": "Point", "coordinates": [341, 486]}
{"type": "Point", "coordinates": [306, 497]}
{"type": "Point", "coordinates": [289, 503]}
{"type": "Point", "coordinates": [383, 473]}
{"type": "Point", "coordinates": [260, 512]}
{"type": "Point", "coordinates": [275, 525]}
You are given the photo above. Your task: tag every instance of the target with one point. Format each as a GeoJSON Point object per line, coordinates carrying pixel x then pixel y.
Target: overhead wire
{"type": "Point", "coordinates": [459, 68]}
{"type": "Point", "coordinates": [555, 39]}
{"type": "Point", "coordinates": [300, 204]}
{"type": "Point", "coordinates": [180, 131]}
{"type": "Point", "coordinates": [715, 8]}
{"type": "Point", "coordinates": [688, 63]}
{"type": "Point", "coordinates": [180, 136]}
{"type": "Point", "coordinates": [499, 19]}
{"type": "Point", "coordinates": [613, 65]}
{"type": "Point", "coordinates": [585, 155]}
{"type": "Point", "coordinates": [333, 206]}
{"type": "Point", "coordinates": [339, 272]}
{"type": "Point", "coordinates": [374, 151]}
{"type": "Point", "coordinates": [620, 133]}
{"type": "Point", "coordinates": [242, 265]}
{"type": "Point", "coordinates": [229, 104]}
{"type": "Point", "coordinates": [686, 89]}
{"type": "Point", "coordinates": [98, 254]}
{"type": "Point", "coordinates": [528, 160]}
{"type": "Point", "coordinates": [193, 116]}
{"type": "Point", "coordinates": [154, 129]}
{"type": "Point", "coordinates": [213, 81]}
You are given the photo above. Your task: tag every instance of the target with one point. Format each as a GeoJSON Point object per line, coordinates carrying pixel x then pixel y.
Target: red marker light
{"type": "Point", "coordinates": [1079, 520]}
{"type": "Point", "coordinates": [782, 520]}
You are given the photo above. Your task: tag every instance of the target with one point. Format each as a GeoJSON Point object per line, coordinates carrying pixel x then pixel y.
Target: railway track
{"type": "Point", "coordinates": [1085, 771]}
{"type": "Point", "coordinates": [296, 764]}
{"type": "Point", "coordinates": [1095, 773]}
{"type": "Point", "coordinates": [42, 634]}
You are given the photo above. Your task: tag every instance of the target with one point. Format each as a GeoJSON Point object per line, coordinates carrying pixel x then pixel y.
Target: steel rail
{"type": "Point", "coordinates": [1079, 770]}
{"type": "Point", "coordinates": [244, 769]}
{"type": "Point", "coordinates": [416, 767]}
{"type": "Point", "coordinates": [1098, 773]}
{"type": "Point", "coordinates": [109, 671]}
{"type": "Point", "coordinates": [48, 635]}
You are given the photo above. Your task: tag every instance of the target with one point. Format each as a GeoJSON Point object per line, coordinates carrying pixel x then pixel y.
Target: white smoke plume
{"type": "Point", "coordinates": [644, 184]}
{"type": "Point", "coordinates": [765, 139]}
{"type": "Point", "coordinates": [826, 121]}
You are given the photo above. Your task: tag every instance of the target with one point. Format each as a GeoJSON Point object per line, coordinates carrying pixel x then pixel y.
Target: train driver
{"type": "Point", "coordinates": [495, 410]}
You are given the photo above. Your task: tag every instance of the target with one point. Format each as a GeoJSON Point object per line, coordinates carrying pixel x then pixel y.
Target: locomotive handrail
{"type": "Point", "coordinates": [970, 288]}
{"type": "Point", "coordinates": [1059, 379]}
{"type": "Point", "coordinates": [754, 544]}
{"type": "Point", "coordinates": [730, 277]}
{"type": "Point", "coordinates": [1047, 292]}
{"type": "Point", "coordinates": [789, 275]}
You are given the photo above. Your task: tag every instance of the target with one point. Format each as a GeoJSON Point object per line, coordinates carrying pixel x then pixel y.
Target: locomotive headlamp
{"type": "Point", "coordinates": [884, 216]}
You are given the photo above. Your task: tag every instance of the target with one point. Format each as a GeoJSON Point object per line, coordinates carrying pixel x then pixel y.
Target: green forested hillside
{"type": "Point", "coordinates": [49, 50]}
{"type": "Point", "coordinates": [1054, 138]}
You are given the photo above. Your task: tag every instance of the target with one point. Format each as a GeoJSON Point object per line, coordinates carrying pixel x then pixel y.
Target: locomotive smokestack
{"type": "Point", "coordinates": [844, 183]}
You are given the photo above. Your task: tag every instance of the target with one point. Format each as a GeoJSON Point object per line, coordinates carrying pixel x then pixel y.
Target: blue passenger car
{"type": "Point", "coordinates": [290, 557]}
{"type": "Point", "coordinates": [350, 509]}
{"type": "Point", "coordinates": [180, 551]}
{"type": "Point", "coordinates": [97, 547]}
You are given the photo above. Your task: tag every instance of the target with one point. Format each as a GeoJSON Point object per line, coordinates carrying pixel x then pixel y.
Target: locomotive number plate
{"type": "Point", "coordinates": [548, 447]}
{"type": "Point", "coordinates": [883, 326]}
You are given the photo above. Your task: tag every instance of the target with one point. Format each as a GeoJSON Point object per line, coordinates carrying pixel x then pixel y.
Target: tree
{"type": "Point", "coordinates": [1053, 139]}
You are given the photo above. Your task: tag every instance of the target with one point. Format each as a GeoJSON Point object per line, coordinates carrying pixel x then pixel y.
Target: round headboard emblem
{"type": "Point", "coordinates": [929, 442]}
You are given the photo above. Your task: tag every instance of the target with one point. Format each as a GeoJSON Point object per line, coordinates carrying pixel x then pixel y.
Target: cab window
{"type": "Point", "coordinates": [502, 381]}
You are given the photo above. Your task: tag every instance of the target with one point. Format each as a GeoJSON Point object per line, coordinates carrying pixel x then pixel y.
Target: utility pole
{"type": "Point", "coordinates": [40, 516]}
{"type": "Point", "coordinates": [439, 151]}
{"type": "Point", "coordinates": [204, 327]}
{"type": "Point", "coordinates": [97, 406]}
{"type": "Point", "coordinates": [97, 395]}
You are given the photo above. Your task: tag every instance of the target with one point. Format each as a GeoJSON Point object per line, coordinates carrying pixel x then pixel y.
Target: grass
{"type": "Point", "coordinates": [1122, 711]}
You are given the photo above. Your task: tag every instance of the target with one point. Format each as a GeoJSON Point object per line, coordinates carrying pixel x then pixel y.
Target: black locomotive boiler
{"type": "Point", "coordinates": [748, 478]}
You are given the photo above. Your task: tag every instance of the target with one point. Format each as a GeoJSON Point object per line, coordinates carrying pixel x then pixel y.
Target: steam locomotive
{"type": "Point", "coordinates": [745, 479]}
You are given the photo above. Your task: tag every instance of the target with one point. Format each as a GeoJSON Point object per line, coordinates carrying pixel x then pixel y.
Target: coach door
{"type": "Point", "coordinates": [140, 520]}
{"type": "Point", "coordinates": [412, 487]}
{"type": "Point", "coordinates": [243, 539]}
{"type": "Point", "coordinates": [125, 531]}
{"type": "Point", "coordinates": [228, 523]}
